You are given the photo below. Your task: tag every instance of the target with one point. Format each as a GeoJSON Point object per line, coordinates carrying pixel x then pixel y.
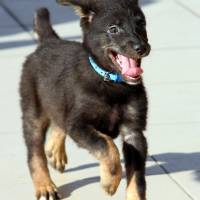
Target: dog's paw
{"type": "Point", "coordinates": [57, 157]}
{"type": "Point", "coordinates": [47, 192]}
{"type": "Point", "coordinates": [110, 177]}
{"type": "Point", "coordinates": [55, 149]}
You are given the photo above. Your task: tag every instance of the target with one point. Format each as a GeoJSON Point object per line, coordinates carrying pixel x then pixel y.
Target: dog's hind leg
{"type": "Point", "coordinates": [35, 125]}
{"type": "Point", "coordinates": [34, 134]}
{"type": "Point", "coordinates": [55, 148]}
{"type": "Point", "coordinates": [103, 148]}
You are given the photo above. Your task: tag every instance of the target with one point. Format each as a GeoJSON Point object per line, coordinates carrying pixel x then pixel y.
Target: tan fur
{"type": "Point", "coordinates": [63, 2]}
{"type": "Point", "coordinates": [41, 178]}
{"type": "Point", "coordinates": [132, 191]}
{"type": "Point", "coordinates": [79, 11]}
{"type": "Point", "coordinates": [110, 167]}
{"type": "Point", "coordinates": [55, 149]}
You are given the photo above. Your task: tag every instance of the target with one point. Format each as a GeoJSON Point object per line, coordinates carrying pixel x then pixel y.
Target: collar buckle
{"type": "Point", "coordinates": [106, 77]}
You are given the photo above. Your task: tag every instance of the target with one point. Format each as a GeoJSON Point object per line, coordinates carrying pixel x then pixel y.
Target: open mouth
{"type": "Point", "coordinates": [129, 67]}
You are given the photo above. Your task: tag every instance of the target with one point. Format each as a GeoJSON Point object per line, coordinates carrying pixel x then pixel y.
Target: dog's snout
{"type": "Point", "coordinates": [141, 49]}
{"type": "Point", "coordinates": [138, 48]}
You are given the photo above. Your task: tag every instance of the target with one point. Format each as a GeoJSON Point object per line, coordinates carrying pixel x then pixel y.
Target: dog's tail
{"type": "Point", "coordinates": [42, 25]}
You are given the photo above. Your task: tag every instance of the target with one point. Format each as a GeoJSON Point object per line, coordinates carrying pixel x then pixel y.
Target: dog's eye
{"type": "Point", "coordinates": [113, 29]}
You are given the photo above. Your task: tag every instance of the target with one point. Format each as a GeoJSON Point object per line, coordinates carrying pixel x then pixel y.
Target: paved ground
{"type": "Point", "coordinates": [173, 82]}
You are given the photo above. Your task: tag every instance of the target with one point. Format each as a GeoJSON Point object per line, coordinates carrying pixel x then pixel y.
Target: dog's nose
{"type": "Point", "coordinates": [138, 48]}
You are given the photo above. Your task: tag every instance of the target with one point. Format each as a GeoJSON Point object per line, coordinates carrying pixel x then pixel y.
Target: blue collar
{"type": "Point", "coordinates": [107, 76]}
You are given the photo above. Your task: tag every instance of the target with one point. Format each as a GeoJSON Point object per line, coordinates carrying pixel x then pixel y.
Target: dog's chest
{"type": "Point", "coordinates": [110, 121]}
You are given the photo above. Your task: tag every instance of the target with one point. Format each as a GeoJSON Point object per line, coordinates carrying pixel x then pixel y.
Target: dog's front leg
{"type": "Point", "coordinates": [135, 152]}
{"type": "Point", "coordinates": [103, 148]}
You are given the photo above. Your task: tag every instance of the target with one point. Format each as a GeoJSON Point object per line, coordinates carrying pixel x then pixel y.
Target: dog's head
{"type": "Point", "coordinates": [114, 32]}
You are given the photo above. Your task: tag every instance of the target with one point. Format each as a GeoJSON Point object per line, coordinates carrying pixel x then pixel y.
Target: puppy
{"type": "Point", "coordinates": [91, 91]}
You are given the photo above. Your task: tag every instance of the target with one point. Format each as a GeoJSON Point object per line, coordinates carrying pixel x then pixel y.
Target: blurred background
{"type": "Point", "coordinates": [172, 79]}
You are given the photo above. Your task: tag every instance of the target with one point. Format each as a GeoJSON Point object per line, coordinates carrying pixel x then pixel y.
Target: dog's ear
{"type": "Point", "coordinates": [74, 2]}
{"type": "Point", "coordinates": [83, 8]}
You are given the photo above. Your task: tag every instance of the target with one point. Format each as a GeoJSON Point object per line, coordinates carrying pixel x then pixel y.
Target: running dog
{"type": "Point", "coordinates": [90, 91]}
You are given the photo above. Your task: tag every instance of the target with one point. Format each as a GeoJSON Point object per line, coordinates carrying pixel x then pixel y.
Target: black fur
{"type": "Point", "coordinates": [58, 84]}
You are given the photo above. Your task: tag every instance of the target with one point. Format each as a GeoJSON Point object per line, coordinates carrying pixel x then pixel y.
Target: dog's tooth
{"type": "Point", "coordinates": [118, 61]}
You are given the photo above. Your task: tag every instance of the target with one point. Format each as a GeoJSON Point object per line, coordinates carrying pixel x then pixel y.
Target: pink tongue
{"type": "Point", "coordinates": [129, 66]}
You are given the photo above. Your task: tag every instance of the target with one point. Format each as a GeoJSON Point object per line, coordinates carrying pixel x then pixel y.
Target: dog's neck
{"type": "Point", "coordinates": [107, 76]}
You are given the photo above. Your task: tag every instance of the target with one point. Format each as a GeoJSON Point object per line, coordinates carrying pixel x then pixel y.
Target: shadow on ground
{"type": "Point", "coordinates": [177, 162]}
{"type": "Point", "coordinates": [67, 189]}
{"type": "Point", "coordinates": [22, 13]}
{"type": "Point", "coordinates": [169, 163]}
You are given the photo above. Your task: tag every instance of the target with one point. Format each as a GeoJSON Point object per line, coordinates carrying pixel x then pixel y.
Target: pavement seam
{"type": "Point", "coordinates": [170, 177]}
{"type": "Point", "coordinates": [190, 10]}
{"type": "Point", "coordinates": [16, 19]}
